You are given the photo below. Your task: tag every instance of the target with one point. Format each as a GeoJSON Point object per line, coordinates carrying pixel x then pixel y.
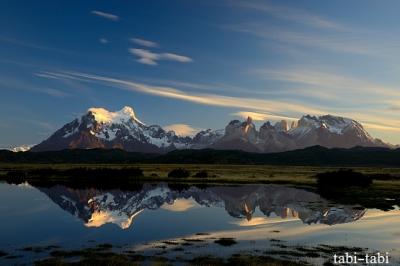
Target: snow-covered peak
{"type": "Point", "coordinates": [309, 121]}
{"type": "Point", "coordinates": [282, 126]}
{"type": "Point", "coordinates": [22, 148]}
{"type": "Point", "coordinates": [102, 115]}
{"type": "Point", "coordinates": [334, 124]}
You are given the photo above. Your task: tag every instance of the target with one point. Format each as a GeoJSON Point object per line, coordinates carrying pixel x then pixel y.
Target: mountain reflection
{"type": "Point", "coordinates": [97, 207]}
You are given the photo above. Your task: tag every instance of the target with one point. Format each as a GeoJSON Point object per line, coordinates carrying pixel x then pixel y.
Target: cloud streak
{"type": "Point", "coordinates": [200, 98]}
{"type": "Point", "coordinates": [273, 108]}
{"type": "Point", "coordinates": [145, 43]}
{"type": "Point", "coordinates": [151, 58]}
{"type": "Point", "coordinates": [26, 86]}
{"type": "Point", "coordinates": [103, 40]}
{"type": "Point", "coordinates": [105, 15]}
{"type": "Point", "coordinates": [349, 43]}
{"type": "Point", "coordinates": [23, 43]}
{"type": "Point", "coordinates": [291, 14]}
{"type": "Point", "coordinates": [257, 116]}
{"type": "Point", "coordinates": [330, 84]}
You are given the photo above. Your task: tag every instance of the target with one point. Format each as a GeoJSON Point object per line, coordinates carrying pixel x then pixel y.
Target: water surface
{"type": "Point", "coordinates": [256, 216]}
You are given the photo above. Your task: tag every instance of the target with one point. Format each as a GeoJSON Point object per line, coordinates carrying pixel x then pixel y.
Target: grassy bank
{"type": "Point", "coordinates": [298, 175]}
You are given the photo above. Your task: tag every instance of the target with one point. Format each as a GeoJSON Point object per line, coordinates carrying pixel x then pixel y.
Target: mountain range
{"type": "Point", "coordinates": [98, 207]}
{"type": "Point", "coordinates": [100, 128]}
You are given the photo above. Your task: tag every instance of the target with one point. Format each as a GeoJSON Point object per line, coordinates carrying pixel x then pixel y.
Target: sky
{"type": "Point", "coordinates": [191, 65]}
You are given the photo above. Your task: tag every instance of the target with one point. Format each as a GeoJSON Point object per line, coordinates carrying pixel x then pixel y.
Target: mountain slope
{"type": "Point", "coordinates": [327, 131]}
{"type": "Point", "coordinates": [100, 128]}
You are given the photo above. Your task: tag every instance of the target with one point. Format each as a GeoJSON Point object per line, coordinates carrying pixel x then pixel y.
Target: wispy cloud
{"type": "Point", "coordinates": [176, 57]}
{"type": "Point", "coordinates": [350, 96]}
{"type": "Point", "coordinates": [315, 31]}
{"type": "Point", "coordinates": [105, 15]}
{"type": "Point", "coordinates": [330, 83]}
{"type": "Point", "coordinates": [278, 109]}
{"type": "Point", "coordinates": [103, 40]}
{"type": "Point", "coordinates": [52, 92]}
{"type": "Point", "coordinates": [343, 43]}
{"type": "Point", "coordinates": [27, 44]}
{"type": "Point", "coordinates": [151, 58]}
{"type": "Point", "coordinates": [257, 116]}
{"type": "Point", "coordinates": [145, 43]}
{"type": "Point", "coordinates": [182, 129]}
{"type": "Point", "coordinates": [26, 86]}
{"type": "Point", "coordinates": [291, 14]}
{"type": "Point", "coordinates": [272, 106]}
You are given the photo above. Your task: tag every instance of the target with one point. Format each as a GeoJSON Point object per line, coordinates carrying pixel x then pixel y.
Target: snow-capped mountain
{"type": "Point", "coordinates": [97, 207]}
{"type": "Point", "coordinates": [21, 148]}
{"type": "Point", "coordinates": [100, 128]}
{"type": "Point", "coordinates": [328, 131]}
{"type": "Point", "coordinates": [331, 131]}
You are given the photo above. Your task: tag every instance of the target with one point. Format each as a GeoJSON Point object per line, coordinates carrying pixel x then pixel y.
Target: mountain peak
{"type": "Point", "coordinates": [128, 110]}
{"type": "Point", "coordinates": [249, 120]}
{"type": "Point", "coordinates": [102, 115]}
{"type": "Point", "coordinates": [101, 128]}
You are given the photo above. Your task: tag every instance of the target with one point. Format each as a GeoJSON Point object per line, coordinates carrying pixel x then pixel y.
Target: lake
{"type": "Point", "coordinates": [175, 220]}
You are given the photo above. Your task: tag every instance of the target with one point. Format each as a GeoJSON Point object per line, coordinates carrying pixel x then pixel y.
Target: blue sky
{"type": "Point", "coordinates": [198, 63]}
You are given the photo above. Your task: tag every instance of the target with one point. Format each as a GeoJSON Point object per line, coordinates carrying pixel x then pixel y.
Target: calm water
{"type": "Point", "coordinates": [140, 220]}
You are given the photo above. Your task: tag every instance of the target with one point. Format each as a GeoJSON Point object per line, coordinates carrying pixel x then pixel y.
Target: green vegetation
{"type": "Point", "coordinates": [312, 156]}
{"type": "Point", "coordinates": [103, 177]}
{"type": "Point", "coordinates": [295, 175]}
{"type": "Point", "coordinates": [100, 174]}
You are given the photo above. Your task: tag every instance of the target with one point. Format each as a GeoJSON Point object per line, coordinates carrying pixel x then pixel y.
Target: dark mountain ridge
{"type": "Point", "coordinates": [311, 156]}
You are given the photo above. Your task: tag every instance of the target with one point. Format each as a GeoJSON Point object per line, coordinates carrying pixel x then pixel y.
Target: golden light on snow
{"type": "Point", "coordinates": [99, 218]}
{"type": "Point", "coordinates": [182, 129]}
{"type": "Point", "coordinates": [180, 205]}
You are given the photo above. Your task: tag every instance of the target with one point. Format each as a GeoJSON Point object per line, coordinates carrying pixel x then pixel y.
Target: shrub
{"type": "Point", "coordinates": [342, 178]}
{"type": "Point", "coordinates": [201, 174]}
{"type": "Point", "coordinates": [179, 172]}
